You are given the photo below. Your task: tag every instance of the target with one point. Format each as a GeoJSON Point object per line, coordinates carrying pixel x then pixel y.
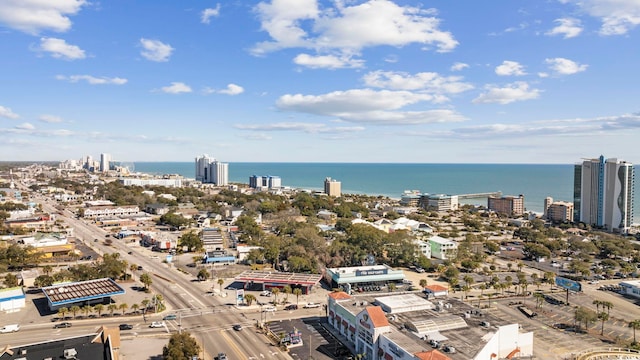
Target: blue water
{"type": "Point", "coordinates": [535, 182]}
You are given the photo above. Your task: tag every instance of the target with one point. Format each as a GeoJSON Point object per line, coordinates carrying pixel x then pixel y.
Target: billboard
{"type": "Point", "coordinates": [568, 284]}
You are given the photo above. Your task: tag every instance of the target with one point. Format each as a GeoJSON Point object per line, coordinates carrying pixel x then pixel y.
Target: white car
{"type": "Point", "coordinates": [9, 328]}
{"type": "Point", "coordinates": [311, 305]}
{"type": "Point", "coordinates": [269, 309]}
{"type": "Point", "coordinates": [157, 324]}
{"type": "Point", "coordinates": [265, 293]}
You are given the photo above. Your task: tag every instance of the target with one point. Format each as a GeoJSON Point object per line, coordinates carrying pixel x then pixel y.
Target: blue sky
{"type": "Point", "coordinates": [440, 81]}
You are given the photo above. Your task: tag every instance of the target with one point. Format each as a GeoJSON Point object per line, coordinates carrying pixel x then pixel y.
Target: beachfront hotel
{"type": "Point", "coordinates": [603, 193]}
{"type": "Point", "coordinates": [211, 171]}
{"type": "Point", "coordinates": [332, 187]}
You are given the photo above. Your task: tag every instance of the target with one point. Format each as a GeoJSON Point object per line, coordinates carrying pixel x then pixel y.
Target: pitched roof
{"type": "Point", "coordinates": [339, 295]}
{"type": "Point", "coordinates": [378, 319]}
{"type": "Point", "coordinates": [436, 288]}
{"type": "Point", "coordinates": [432, 355]}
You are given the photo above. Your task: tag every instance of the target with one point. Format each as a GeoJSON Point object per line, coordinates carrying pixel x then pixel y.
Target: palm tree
{"type": "Point", "coordinates": [287, 290]}
{"type": "Point", "coordinates": [87, 309]}
{"type": "Point", "coordinates": [146, 280]}
{"type": "Point", "coordinates": [145, 305]}
{"type": "Point", "coordinates": [249, 298]}
{"type": "Point", "coordinates": [539, 299]}
{"type": "Point", "coordinates": [275, 292]}
{"type": "Point", "coordinates": [203, 274]}
{"type": "Point", "coordinates": [99, 308]}
{"type": "Point", "coordinates": [392, 287]}
{"type": "Point", "coordinates": [466, 290]}
{"type": "Point", "coordinates": [297, 292]}
{"type": "Point", "coordinates": [112, 308]}
{"type": "Point", "coordinates": [123, 307]}
{"type": "Point", "coordinates": [423, 283]}
{"type": "Point", "coordinates": [220, 283]}
{"type": "Point", "coordinates": [63, 312]}
{"type": "Point", "coordinates": [608, 305]}
{"type": "Point", "coordinates": [597, 303]}
{"type": "Point", "coordinates": [509, 281]}
{"type": "Point", "coordinates": [635, 325]}
{"type": "Point", "coordinates": [603, 316]}
{"type": "Point", "coordinates": [74, 309]}
{"type": "Point", "coordinates": [468, 280]}
{"type": "Point", "coordinates": [135, 308]}
{"type": "Point", "coordinates": [482, 287]}
{"type": "Point", "coordinates": [47, 269]}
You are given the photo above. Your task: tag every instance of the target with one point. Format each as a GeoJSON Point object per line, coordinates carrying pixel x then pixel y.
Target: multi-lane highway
{"type": "Point", "coordinates": [209, 319]}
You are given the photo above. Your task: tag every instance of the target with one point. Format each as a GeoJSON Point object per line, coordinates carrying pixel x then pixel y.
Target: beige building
{"type": "Point", "coordinates": [332, 187]}
{"type": "Point", "coordinates": [510, 205]}
{"type": "Point", "coordinates": [560, 211]}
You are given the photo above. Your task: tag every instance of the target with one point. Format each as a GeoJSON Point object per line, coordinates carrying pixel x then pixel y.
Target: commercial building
{"type": "Point", "coordinates": [211, 171]}
{"type": "Point", "coordinates": [332, 187]}
{"type": "Point", "coordinates": [443, 249]}
{"type": "Point", "coordinates": [151, 182]}
{"type": "Point", "coordinates": [509, 205]}
{"type": "Point", "coordinates": [603, 193]}
{"type": "Point", "coordinates": [439, 202]}
{"type": "Point", "coordinates": [108, 210]}
{"type": "Point", "coordinates": [265, 182]}
{"type": "Point", "coordinates": [558, 211]}
{"type": "Point", "coordinates": [409, 326]}
{"type": "Point", "coordinates": [81, 293]}
{"type": "Point", "coordinates": [347, 278]}
{"type": "Point", "coordinates": [630, 288]}
{"type": "Point", "coordinates": [105, 162]}
{"type": "Point", "coordinates": [265, 280]}
{"type": "Point", "coordinates": [12, 299]}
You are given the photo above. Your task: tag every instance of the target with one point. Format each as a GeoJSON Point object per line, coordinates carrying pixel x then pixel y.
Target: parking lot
{"type": "Point", "coordinates": [318, 342]}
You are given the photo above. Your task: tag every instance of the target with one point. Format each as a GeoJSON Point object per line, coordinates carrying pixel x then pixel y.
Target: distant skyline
{"type": "Point", "coordinates": [375, 81]}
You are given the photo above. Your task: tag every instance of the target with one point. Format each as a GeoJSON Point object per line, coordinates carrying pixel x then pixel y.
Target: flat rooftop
{"type": "Point", "coordinates": [81, 291]}
{"type": "Point", "coordinates": [279, 277]}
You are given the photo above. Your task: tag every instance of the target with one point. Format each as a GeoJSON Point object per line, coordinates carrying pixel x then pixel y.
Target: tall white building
{"type": "Point", "coordinates": [603, 193]}
{"type": "Point", "coordinates": [105, 160]}
{"type": "Point", "coordinates": [211, 171]}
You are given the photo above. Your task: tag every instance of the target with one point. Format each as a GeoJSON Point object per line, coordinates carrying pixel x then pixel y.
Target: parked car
{"type": "Point", "coordinates": [9, 328]}
{"type": "Point", "coordinates": [311, 305]}
{"type": "Point", "coordinates": [291, 307]}
{"type": "Point", "coordinates": [237, 327]}
{"type": "Point", "coordinates": [62, 325]}
{"type": "Point", "coordinates": [157, 324]}
{"type": "Point", "coordinates": [269, 309]}
{"type": "Point", "coordinates": [265, 293]}
{"type": "Point", "coordinates": [221, 356]}
{"type": "Point", "coordinates": [170, 317]}
{"type": "Point", "coordinates": [126, 326]}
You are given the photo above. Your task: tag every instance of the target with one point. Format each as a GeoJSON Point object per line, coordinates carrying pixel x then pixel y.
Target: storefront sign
{"type": "Point", "coordinates": [371, 272]}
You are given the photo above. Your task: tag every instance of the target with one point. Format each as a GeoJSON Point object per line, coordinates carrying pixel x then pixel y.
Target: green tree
{"type": "Point", "coordinates": [191, 240]}
{"type": "Point", "coordinates": [249, 298]}
{"type": "Point", "coordinates": [203, 275]}
{"type": "Point", "coordinates": [135, 308]}
{"type": "Point", "coordinates": [10, 280]}
{"type": "Point", "coordinates": [423, 283]}
{"type": "Point", "coordinates": [287, 291]}
{"type": "Point", "coordinates": [43, 281]}
{"type": "Point", "coordinates": [145, 279]}
{"type": "Point", "coordinates": [123, 307]}
{"type": "Point", "coordinates": [62, 312]}
{"type": "Point", "coordinates": [603, 316]}
{"type": "Point", "coordinates": [74, 310]}
{"type": "Point", "coordinates": [112, 308]}
{"type": "Point", "coordinates": [181, 346]}
{"type": "Point", "coordinates": [220, 283]}
{"type": "Point", "coordinates": [87, 309]}
{"type": "Point", "coordinates": [635, 325]}
{"type": "Point", "coordinates": [99, 308]}
{"type": "Point", "coordinates": [297, 292]}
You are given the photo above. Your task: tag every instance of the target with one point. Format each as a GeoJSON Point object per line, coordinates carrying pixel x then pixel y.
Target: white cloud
{"type": "Point", "coordinates": [459, 66]}
{"type": "Point", "coordinates": [348, 29]}
{"type": "Point", "coordinates": [427, 81]}
{"type": "Point", "coordinates": [34, 16]}
{"type": "Point", "coordinates": [207, 14]}
{"type": "Point", "coordinates": [58, 48]}
{"type": "Point", "coordinates": [155, 50]}
{"type": "Point", "coordinates": [176, 88]}
{"type": "Point", "coordinates": [562, 66]}
{"type": "Point", "coordinates": [569, 27]}
{"type": "Point", "coordinates": [92, 79]}
{"type": "Point", "coordinates": [327, 61]}
{"type": "Point", "coordinates": [510, 68]}
{"type": "Point", "coordinates": [7, 113]}
{"type": "Point", "coordinates": [368, 106]}
{"type": "Point", "coordinates": [50, 118]}
{"type": "Point", "coordinates": [25, 126]}
{"type": "Point", "coordinates": [543, 74]}
{"type": "Point", "coordinates": [232, 89]}
{"type": "Point", "coordinates": [618, 16]}
{"type": "Point", "coordinates": [517, 91]}
{"type": "Point", "coordinates": [311, 128]}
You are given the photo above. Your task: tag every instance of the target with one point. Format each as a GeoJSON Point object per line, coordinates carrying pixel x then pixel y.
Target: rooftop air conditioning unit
{"type": "Point", "coordinates": [70, 353]}
{"type": "Point", "coordinates": [23, 351]}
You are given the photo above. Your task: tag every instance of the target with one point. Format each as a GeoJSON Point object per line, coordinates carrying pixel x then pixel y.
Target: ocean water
{"type": "Point", "coordinates": [535, 182]}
